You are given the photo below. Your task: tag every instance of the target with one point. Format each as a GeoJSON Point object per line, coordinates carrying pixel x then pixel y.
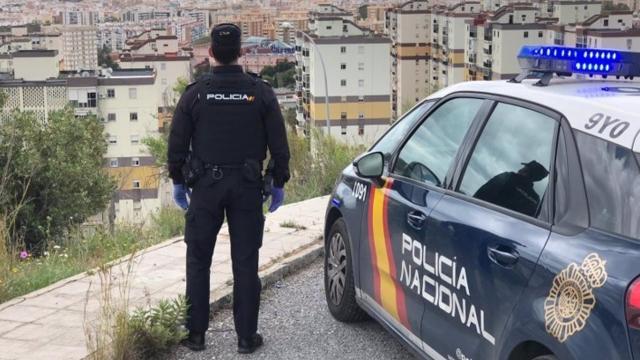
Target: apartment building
{"type": "Point", "coordinates": [435, 46]}
{"type": "Point", "coordinates": [25, 37]}
{"type": "Point", "coordinates": [33, 84]}
{"type": "Point", "coordinates": [145, 13]}
{"type": "Point", "coordinates": [156, 50]}
{"type": "Point", "coordinates": [78, 16]}
{"type": "Point", "coordinates": [494, 39]}
{"type": "Point", "coordinates": [124, 100]}
{"type": "Point", "coordinates": [428, 48]}
{"type": "Point", "coordinates": [129, 113]}
{"type": "Point", "coordinates": [358, 79]}
{"type": "Point", "coordinates": [612, 29]}
{"type": "Point", "coordinates": [79, 48]}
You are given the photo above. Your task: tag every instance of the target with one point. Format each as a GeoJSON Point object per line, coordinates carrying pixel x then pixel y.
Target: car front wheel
{"type": "Point", "coordinates": [339, 286]}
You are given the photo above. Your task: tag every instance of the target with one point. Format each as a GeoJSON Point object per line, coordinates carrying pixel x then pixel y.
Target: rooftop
{"type": "Point", "coordinates": [34, 53]}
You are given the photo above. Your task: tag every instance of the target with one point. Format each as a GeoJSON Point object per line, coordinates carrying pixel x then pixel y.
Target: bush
{"type": "Point", "coordinates": [52, 175]}
{"type": "Point", "coordinates": [316, 162]}
{"type": "Point", "coordinates": [155, 330]}
{"type": "Point", "coordinates": [168, 222]}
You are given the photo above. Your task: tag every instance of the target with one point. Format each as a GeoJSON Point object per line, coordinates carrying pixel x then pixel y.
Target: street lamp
{"type": "Point", "coordinates": [326, 87]}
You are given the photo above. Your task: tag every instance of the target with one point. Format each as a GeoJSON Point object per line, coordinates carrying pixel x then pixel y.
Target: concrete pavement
{"type": "Point", "coordinates": [49, 323]}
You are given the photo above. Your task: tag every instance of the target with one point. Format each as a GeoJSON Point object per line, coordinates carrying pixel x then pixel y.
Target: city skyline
{"type": "Point", "coordinates": [357, 66]}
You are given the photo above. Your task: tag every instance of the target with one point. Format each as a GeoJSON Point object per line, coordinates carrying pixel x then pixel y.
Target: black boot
{"type": "Point", "coordinates": [249, 345]}
{"type": "Point", "coordinates": [195, 341]}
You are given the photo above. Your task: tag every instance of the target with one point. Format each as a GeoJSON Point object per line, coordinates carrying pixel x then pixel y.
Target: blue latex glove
{"type": "Point", "coordinates": [181, 195]}
{"type": "Point", "coordinates": [277, 198]}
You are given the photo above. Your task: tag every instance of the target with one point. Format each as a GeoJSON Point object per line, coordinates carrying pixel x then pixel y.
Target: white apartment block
{"type": "Point", "coordinates": [436, 46]}
{"type": "Point", "coordinates": [358, 75]}
{"type": "Point", "coordinates": [124, 100]}
{"type": "Point", "coordinates": [160, 52]}
{"type": "Point", "coordinates": [76, 16]}
{"type": "Point", "coordinates": [169, 69]}
{"type": "Point", "coordinates": [144, 13]}
{"type": "Point", "coordinates": [79, 47]}
{"type": "Point", "coordinates": [20, 38]}
{"type": "Point", "coordinates": [126, 106]}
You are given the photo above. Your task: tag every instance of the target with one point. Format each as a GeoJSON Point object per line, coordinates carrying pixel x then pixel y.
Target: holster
{"type": "Point", "coordinates": [192, 170]}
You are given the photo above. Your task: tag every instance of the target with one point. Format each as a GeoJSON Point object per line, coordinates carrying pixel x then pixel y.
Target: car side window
{"type": "Point", "coordinates": [509, 165]}
{"type": "Point", "coordinates": [428, 154]}
{"type": "Point", "coordinates": [390, 141]}
{"type": "Point", "coordinates": [612, 178]}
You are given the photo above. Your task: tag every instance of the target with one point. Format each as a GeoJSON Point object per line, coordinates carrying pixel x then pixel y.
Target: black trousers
{"type": "Point", "coordinates": [241, 201]}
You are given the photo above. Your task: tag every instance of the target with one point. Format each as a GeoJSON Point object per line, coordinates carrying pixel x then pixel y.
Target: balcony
{"type": "Point", "coordinates": [488, 35]}
{"type": "Point", "coordinates": [487, 64]}
{"type": "Point", "coordinates": [473, 34]}
{"type": "Point", "coordinates": [472, 59]}
{"type": "Point", "coordinates": [487, 50]}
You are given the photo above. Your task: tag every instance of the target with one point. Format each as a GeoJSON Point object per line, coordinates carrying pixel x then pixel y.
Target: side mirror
{"type": "Point", "coordinates": [370, 165]}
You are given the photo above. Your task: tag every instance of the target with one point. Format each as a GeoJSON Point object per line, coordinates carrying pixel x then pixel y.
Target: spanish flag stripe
{"type": "Point", "coordinates": [372, 246]}
{"type": "Point", "coordinates": [388, 291]}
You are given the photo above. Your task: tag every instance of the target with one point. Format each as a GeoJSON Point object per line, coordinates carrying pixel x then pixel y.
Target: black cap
{"type": "Point", "coordinates": [537, 172]}
{"type": "Point", "coordinates": [226, 35]}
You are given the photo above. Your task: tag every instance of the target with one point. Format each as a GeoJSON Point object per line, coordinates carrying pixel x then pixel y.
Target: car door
{"type": "Point", "coordinates": [488, 235]}
{"type": "Point", "coordinates": [364, 188]}
{"type": "Point", "coordinates": [398, 209]}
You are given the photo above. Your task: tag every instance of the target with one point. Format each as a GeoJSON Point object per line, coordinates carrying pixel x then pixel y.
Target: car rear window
{"type": "Point", "coordinates": [612, 179]}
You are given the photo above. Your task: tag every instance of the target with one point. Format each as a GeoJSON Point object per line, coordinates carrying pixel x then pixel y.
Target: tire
{"type": "Point", "coordinates": [545, 357]}
{"type": "Point", "coordinates": [339, 287]}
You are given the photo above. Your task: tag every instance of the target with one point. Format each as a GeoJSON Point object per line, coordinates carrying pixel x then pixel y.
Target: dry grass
{"type": "Point", "coordinates": [108, 335]}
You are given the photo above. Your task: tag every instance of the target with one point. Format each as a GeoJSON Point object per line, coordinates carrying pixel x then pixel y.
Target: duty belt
{"type": "Point", "coordinates": [216, 170]}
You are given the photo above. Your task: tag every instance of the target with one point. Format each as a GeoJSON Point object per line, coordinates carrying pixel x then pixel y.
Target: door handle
{"type": "Point", "coordinates": [416, 219]}
{"type": "Point", "coordinates": [503, 255]}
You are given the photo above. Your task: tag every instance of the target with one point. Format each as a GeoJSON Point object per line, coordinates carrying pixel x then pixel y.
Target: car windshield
{"type": "Point", "coordinates": [612, 179]}
{"type": "Point", "coordinates": [389, 141]}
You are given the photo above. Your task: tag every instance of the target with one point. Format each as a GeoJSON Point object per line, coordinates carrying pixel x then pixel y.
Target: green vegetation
{"type": "Point", "coordinates": [52, 176]}
{"type": "Point", "coordinates": [104, 58]}
{"type": "Point", "coordinates": [281, 75]}
{"type": "Point", "coordinates": [363, 12]}
{"type": "Point", "coordinates": [610, 6]}
{"type": "Point", "coordinates": [156, 330]}
{"type": "Point", "coordinates": [203, 40]}
{"type": "Point", "coordinates": [316, 162]}
{"type": "Point", "coordinates": [291, 224]}
{"type": "Point", "coordinates": [82, 250]}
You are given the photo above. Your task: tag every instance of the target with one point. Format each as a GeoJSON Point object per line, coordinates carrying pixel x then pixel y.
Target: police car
{"type": "Point", "coordinates": [501, 219]}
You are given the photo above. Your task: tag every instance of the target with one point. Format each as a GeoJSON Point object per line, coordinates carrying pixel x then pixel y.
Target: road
{"type": "Point", "coordinates": [296, 325]}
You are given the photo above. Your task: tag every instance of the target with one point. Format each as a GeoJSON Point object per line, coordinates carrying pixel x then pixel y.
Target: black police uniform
{"type": "Point", "coordinates": [226, 121]}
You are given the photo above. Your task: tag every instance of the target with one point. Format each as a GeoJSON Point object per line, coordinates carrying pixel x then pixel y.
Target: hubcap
{"type": "Point", "coordinates": [336, 268]}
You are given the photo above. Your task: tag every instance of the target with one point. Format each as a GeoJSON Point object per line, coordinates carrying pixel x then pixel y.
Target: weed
{"type": "Point", "coordinates": [292, 225]}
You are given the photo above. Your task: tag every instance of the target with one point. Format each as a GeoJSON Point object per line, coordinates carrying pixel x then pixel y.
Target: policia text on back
{"type": "Point", "coordinates": [222, 127]}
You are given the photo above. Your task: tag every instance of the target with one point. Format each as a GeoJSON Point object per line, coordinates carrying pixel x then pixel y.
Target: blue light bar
{"type": "Point", "coordinates": [566, 61]}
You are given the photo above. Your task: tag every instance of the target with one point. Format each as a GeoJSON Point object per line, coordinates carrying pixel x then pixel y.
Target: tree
{"type": "Point", "coordinates": [363, 12]}
{"type": "Point", "coordinates": [104, 58]}
{"type": "Point", "coordinates": [158, 146]}
{"type": "Point", "coordinates": [53, 175]}
{"type": "Point", "coordinates": [610, 6]}
{"type": "Point", "coordinates": [290, 118]}
{"type": "Point", "coordinates": [280, 75]}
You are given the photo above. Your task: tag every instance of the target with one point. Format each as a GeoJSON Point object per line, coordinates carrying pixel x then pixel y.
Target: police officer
{"type": "Point", "coordinates": [222, 127]}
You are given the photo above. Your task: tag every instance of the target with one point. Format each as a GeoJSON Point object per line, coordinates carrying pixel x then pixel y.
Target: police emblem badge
{"type": "Point", "coordinates": [571, 298]}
